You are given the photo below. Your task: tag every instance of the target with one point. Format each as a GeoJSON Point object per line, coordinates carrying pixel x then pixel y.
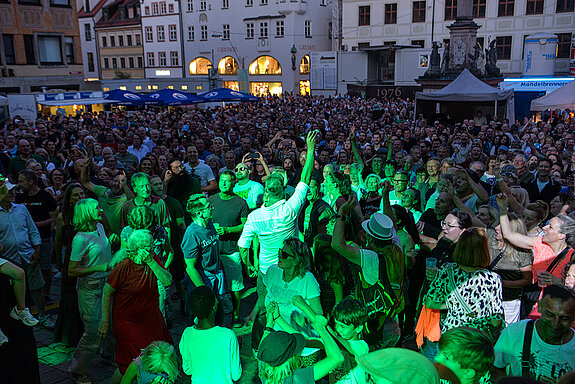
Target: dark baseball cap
{"type": "Point", "coordinates": [278, 347]}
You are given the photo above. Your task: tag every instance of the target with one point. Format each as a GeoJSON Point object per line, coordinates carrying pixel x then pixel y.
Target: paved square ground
{"type": "Point", "coordinates": [54, 359]}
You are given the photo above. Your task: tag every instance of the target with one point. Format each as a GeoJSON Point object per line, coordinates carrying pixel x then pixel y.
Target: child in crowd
{"type": "Point", "coordinates": [349, 317]}
{"type": "Point", "coordinates": [157, 364]}
{"type": "Point", "coordinates": [467, 352]}
{"type": "Point", "coordinates": [19, 312]}
{"type": "Point", "coordinates": [210, 354]}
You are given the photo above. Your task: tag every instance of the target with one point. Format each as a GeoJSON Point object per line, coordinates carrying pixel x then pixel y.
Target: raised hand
{"type": "Point", "coordinates": [310, 140]}
{"type": "Point", "coordinates": [349, 205]}
{"type": "Point", "coordinates": [502, 200]}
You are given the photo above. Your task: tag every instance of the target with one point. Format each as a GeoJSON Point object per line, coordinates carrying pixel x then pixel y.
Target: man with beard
{"type": "Point", "coordinates": [251, 191]}
{"type": "Point", "coordinates": [179, 184]}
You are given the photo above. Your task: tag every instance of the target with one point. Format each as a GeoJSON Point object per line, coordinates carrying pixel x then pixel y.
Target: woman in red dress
{"type": "Point", "coordinates": [132, 285]}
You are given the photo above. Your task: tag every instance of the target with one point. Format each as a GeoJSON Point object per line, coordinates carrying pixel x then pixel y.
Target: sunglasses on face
{"type": "Point", "coordinates": [284, 255]}
{"type": "Point", "coordinates": [241, 169]}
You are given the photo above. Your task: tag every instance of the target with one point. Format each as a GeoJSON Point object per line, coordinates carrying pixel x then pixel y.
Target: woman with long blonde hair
{"type": "Point", "coordinates": [512, 264]}
{"type": "Point", "coordinates": [91, 253]}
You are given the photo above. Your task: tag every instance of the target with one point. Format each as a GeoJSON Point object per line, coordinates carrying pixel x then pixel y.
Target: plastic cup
{"type": "Point", "coordinates": [431, 262]}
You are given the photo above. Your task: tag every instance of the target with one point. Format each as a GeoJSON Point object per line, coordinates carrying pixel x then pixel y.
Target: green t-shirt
{"type": "Point", "coordinates": [111, 205]}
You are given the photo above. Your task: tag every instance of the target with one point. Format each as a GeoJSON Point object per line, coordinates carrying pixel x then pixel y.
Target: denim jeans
{"type": "Point", "coordinates": [90, 306]}
{"type": "Point", "coordinates": [429, 349]}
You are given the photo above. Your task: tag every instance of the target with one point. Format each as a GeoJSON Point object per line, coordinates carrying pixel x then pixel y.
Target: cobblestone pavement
{"type": "Point", "coordinates": [55, 359]}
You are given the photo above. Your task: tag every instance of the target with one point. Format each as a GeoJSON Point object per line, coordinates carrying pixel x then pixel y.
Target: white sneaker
{"type": "Point", "coordinates": [3, 338]}
{"type": "Point", "coordinates": [24, 315]}
{"type": "Point", "coordinates": [46, 322]}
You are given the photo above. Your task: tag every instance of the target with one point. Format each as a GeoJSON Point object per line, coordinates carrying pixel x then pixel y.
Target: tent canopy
{"type": "Point", "coordinates": [561, 98]}
{"type": "Point", "coordinates": [173, 97]}
{"type": "Point", "coordinates": [129, 98]}
{"type": "Point", "coordinates": [466, 87]}
{"type": "Point", "coordinates": [225, 94]}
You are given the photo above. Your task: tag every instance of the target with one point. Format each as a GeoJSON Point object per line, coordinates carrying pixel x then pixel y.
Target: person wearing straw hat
{"type": "Point", "coordinates": [382, 271]}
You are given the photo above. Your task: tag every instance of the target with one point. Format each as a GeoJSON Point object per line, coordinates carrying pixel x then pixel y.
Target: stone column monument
{"type": "Point", "coordinates": [463, 48]}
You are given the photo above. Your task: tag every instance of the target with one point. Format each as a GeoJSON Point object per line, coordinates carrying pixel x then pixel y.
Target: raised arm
{"type": "Point", "coordinates": [334, 357]}
{"type": "Point", "coordinates": [85, 176]}
{"type": "Point", "coordinates": [515, 238]}
{"type": "Point", "coordinates": [162, 274]}
{"type": "Point", "coordinates": [461, 205]}
{"type": "Point", "coordinates": [356, 153]}
{"type": "Point", "coordinates": [481, 193]}
{"type": "Point", "coordinates": [504, 188]}
{"type": "Point", "coordinates": [387, 210]}
{"type": "Point", "coordinates": [265, 165]}
{"type": "Point", "coordinates": [338, 241]}
{"type": "Point", "coordinates": [309, 159]}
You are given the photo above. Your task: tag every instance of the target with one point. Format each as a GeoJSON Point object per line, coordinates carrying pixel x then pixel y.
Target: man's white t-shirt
{"type": "Point", "coordinates": [203, 171]}
{"type": "Point", "coordinates": [273, 225]}
{"type": "Point", "coordinates": [547, 361]}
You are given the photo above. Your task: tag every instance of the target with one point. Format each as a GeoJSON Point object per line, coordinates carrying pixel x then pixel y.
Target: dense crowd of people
{"type": "Point", "coordinates": [365, 229]}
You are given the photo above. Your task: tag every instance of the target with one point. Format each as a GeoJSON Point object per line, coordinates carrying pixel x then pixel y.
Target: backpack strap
{"type": "Point", "coordinates": [525, 360]}
{"type": "Point", "coordinates": [559, 258]}
{"type": "Point", "coordinates": [495, 261]}
{"type": "Point", "coordinates": [384, 279]}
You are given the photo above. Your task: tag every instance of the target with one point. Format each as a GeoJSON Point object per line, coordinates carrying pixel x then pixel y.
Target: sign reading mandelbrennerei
{"type": "Point", "coordinates": [323, 70]}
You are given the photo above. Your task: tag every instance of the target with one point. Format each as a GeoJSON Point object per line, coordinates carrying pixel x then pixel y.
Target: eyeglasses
{"type": "Point", "coordinates": [445, 224]}
{"type": "Point", "coordinates": [241, 169]}
{"type": "Point", "coordinates": [284, 255]}
{"type": "Point", "coordinates": [400, 181]}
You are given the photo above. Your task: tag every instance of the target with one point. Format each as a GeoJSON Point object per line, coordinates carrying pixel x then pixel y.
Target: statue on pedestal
{"type": "Point", "coordinates": [491, 68]}
{"type": "Point", "coordinates": [476, 60]}
{"type": "Point", "coordinates": [434, 63]}
{"type": "Point", "coordinates": [445, 59]}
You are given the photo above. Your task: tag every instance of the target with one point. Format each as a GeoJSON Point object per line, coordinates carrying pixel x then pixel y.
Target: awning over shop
{"type": "Point", "coordinates": [72, 98]}
{"type": "Point", "coordinates": [58, 103]}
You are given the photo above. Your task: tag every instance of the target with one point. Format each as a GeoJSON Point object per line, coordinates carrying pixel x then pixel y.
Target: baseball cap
{"type": "Point", "coordinates": [399, 366]}
{"type": "Point", "coordinates": [278, 347]}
